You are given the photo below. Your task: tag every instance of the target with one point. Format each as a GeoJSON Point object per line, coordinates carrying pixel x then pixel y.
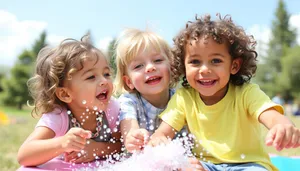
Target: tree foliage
{"type": "Point", "coordinates": [15, 91]}
{"type": "Point", "coordinates": [269, 74]}
{"type": "Point", "coordinates": [112, 55]}
{"type": "Point", "coordinates": [290, 72]}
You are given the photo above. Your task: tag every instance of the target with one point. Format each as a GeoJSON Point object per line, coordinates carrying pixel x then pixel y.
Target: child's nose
{"type": "Point", "coordinates": [150, 67]}
{"type": "Point", "coordinates": [103, 82]}
{"type": "Point", "coordinates": [204, 69]}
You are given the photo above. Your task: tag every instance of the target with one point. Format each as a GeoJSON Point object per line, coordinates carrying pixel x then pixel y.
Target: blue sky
{"type": "Point", "coordinates": [22, 21]}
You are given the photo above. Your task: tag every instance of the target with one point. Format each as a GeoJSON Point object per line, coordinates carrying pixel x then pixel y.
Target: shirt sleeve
{"type": "Point", "coordinates": [127, 107]}
{"type": "Point", "coordinates": [57, 121]}
{"type": "Point", "coordinates": [112, 113]}
{"type": "Point", "coordinates": [256, 101]}
{"type": "Point", "coordinates": [175, 114]}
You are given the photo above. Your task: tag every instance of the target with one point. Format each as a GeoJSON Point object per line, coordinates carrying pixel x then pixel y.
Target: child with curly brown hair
{"type": "Point", "coordinates": [218, 104]}
{"type": "Point", "coordinates": [72, 89]}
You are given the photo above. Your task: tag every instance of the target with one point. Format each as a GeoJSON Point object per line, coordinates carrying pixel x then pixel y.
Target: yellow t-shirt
{"type": "Point", "coordinates": [228, 131]}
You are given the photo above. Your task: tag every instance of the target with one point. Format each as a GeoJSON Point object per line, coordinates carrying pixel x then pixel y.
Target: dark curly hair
{"type": "Point", "coordinates": [222, 30]}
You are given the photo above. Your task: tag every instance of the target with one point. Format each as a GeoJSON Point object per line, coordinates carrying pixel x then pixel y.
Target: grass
{"type": "Point", "coordinates": [13, 135]}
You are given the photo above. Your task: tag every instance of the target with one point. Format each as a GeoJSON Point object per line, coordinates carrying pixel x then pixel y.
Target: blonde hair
{"type": "Point", "coordinates": [130, 43]}
{"type": "Point", "coordinates": [53, 66]}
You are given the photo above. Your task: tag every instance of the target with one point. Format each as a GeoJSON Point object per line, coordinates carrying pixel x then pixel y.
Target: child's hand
{"type": "Point", "coordinates": [136, 139]}
{"type": "Point", "coordinates": [157, 139]}
{"type": "Point", "coordinates": [283, 136]}
{"type": "Point", "coordinates": [83, 156]}
{"type": "Point", "coordinates": [195, 165]}
{"type": "Point", "coordinates": [75, 139]}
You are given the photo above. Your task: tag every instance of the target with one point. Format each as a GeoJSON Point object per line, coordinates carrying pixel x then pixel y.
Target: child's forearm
{"type": "Point", "coordinates": [271, 117]}
{"type": "Point", "coordinates": [36, 152]}
{"type": "Point", "coordinates": [102, 149]}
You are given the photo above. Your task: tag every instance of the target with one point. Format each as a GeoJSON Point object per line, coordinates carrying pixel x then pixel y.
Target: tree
{"type": "Point", "coordinates": [290, 72]}
{"type": "Point", "coordinates": [283, 36]}
{"type": "Point", "coordinates": [112, 55]}
{"type": "Point", "coordinates": [269, 74]}
{"type": "Point", "coordinates": [15, 91]}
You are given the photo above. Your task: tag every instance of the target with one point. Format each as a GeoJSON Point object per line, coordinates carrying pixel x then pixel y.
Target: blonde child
{"type": "Point", "coordinates": [143, 62]}
{"type": "Point", "coordinates": [218, 104]}
{"type": "Point", "coordinates": [72, 89]}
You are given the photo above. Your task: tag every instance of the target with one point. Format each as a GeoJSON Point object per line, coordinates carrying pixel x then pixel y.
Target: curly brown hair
{"type": "Point", "coordinates": [53, 66]}
{"type": "Point", "coordinates": [222, 30]}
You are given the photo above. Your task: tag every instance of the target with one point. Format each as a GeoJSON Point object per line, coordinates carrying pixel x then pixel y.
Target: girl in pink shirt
{"type": "Point", "coordinates": [72, 89]}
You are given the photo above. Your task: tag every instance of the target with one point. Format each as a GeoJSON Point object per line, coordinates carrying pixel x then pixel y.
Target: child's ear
{"type": "Point", "coordinates": [128, 82]}
{"type": "Point", "coordinates": [236, 65]}
{"type": "Point", "coordinates": [63, 94]}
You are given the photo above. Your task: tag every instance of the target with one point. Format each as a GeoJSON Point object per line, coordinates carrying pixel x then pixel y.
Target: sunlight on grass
{"type": "Point", "coordinates": [13, 135]}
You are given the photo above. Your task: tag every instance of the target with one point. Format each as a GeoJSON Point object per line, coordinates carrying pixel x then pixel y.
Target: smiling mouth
{"type": "Point", "coordinates": [153, 80]}
{"type": "Point", "coordinates": [102, 95]}
{"type": "Point", "coordinates": [207, 82]}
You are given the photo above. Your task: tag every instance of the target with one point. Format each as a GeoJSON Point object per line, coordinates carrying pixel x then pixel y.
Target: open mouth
{"type": "Point", "coordinates": [102, 95]}
{"type": "Point", "coordinates": [207, 82]}
{"type": "Point", "coordinates": [153, 80]}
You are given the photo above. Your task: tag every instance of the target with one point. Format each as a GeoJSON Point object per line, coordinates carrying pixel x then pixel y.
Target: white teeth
{"type": "Point", "coordinates": [206, 81]}
{"type": "Point", "coordinates": [152, 78]}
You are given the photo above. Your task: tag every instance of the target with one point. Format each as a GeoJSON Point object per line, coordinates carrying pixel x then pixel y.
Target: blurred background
{"type": "Point", "coordinates": [26, 27]}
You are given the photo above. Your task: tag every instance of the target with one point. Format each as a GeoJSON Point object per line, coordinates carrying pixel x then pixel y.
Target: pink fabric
{"type": "Point", "coordinates": [58, 120]}
{"type": "Point", "coordinates": [58, 164]}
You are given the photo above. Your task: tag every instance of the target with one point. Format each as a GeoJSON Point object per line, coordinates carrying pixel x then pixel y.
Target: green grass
{"type": "Point", "coordinates": [13, 135]}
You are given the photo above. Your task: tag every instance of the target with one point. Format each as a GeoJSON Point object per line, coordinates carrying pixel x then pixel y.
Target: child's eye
{"type": "Point", "coordinates": [194, 61]}
{"type": "Point", "coordinates": [215, 61]}
{"type": "Point", "coordinates": [158, 60]}
{"type": "Point", "coordinates": [91, 77]}
{"type": "Point", "coordinates": [107, 75]}
{"type": "Point", "coordinates": [137, 66]}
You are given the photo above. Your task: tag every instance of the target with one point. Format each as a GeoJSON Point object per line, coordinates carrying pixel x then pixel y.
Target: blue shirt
{"type": "Point", "coordinates": [134, 106]}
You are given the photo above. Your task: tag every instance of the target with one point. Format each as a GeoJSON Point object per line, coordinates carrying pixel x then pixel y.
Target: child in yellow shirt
{"type": "Point", "coordinates": [218, 104]}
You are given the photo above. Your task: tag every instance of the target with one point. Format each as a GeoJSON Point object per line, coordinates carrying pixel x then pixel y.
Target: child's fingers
{"type": "Point", "coordinates": [271, 136]}
{"type": "Point", "coordinates": [158, 141]}
{"type": "Point", "coordinates": [76, 146]}
{"type": "Point", "coordinates": [294, 141]}
{"type": "Point", "coordinates": [133, 140]}
{"type": "Point", "coordinates": [279, 137]}
{"type": "Point", "coordinates": [82, 159]}
{"type": "Point", "coordinates": [69, 156]}
{"type": "Point", "coordinates": [146, 135]}
{"type": "Point", "coordinates": [83, 133]}
{"type": "Point", "coordinates": [133, 148]}
{"type": "Point", "coordinates": [287, 137]}
{"type": "Point", "coordinates": [140, 134]}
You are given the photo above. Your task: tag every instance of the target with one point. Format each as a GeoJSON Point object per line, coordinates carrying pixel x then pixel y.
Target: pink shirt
{"type": "Point", "coordinates": [58, 119]}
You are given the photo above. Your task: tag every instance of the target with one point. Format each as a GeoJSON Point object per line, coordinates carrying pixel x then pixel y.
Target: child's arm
{"type": "Point", "coordinates": [162, 135]}
{"type": "Point", "coordinates": [41, 146]}
{"type": "Point", "coordinates": [93, 149]}
{"type": "Point", "coordinates": [134, 137]}
{"type": "Point", "coordinates": [283, 133]}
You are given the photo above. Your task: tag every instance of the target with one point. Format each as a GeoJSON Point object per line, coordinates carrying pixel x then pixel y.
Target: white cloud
{"type": "Point", "coordinates": [103, 43]}
{"type": "Point", "coordinates": [16, 35]}
{"type": "Point", "coordinates": [55, 39]}
{"type": "Point", "coordinates": [295, 23]}
{"type": "Point", "coordinates": [262, 34]}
